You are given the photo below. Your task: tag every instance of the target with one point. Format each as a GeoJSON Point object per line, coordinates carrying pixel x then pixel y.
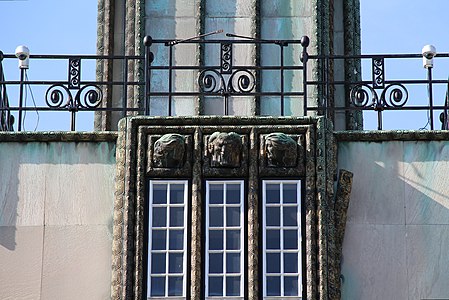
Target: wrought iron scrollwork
{"type": "Point", "coordinates": [393, 95]}
{"type": "Point", "coordinates": [239, 82]}
{"type": "Point", "coordinates": [378, 73]}
{"type": "Point", "coordinates": [59, 96]}
{"type": "Point", "coordinates": [226, 58]}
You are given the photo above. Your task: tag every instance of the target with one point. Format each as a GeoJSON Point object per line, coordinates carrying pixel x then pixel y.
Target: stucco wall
{"type": "Point", "coordinates": [56, 203]}
{"type": "Point", "coordinates": [396, 244]}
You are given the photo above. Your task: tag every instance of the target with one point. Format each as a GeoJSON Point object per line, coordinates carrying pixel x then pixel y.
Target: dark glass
{"type": "Point", "coordinates": [273, 261]}
{"type": "Point", "coordinates": [159, 216]}
{"type": "Point", "coordinates": [232, 216]}
{"type": "Point", "coordinates": [216, 239]}
{"type": "Point", "coordinates": [176, 216]}
{"type": "Point", "coordinates": [216, 193]}
{"type": "Point", "coordinates": [290, 262]}
{"type": "Point", "coordinates": [273, 216]}
{"type": "Point", "coordinates": [291, 286]}
{"type": "Point", "coordinates": [215, 216]}
{"type": "Point", "coordinates": [233, 263]}
{"type": "Point", "coordinates": [216, 263]}
{"type": "Point", "coordinates": [175, 286]}
{"type": "Point", "coordinates": [273, 286]}
{"type": "Point", "coordinates": [159, 193]}
{"type": "Point", "coordinates": [233, 193]}
{"type": "Point", "coordinates": [290, 193]}
{"type": "Point", "coordinates": [216, 286]}
{"type": "Point", "coordinates": [175, 263]}
{"type": "Point", "coordinates": [233, 286]}
{"type": "Point", "coordinates": [176, 239]}
{"type": "Point", "coordinates": [157, 286]}
{"type": "Point", "coordinates": [157, 263]}
{"type": "Point", "coordinates": [290, 216]}
{"type": "Point", "coordinates": [291, 239]}
{"type": "Point", "coordinates": [176, 193]}
{"type": "Point", "coordinates": [273, 194]}
{"type": "Point", "coordinates": [273, 239]}
{"type": "Point", "coordinates": [232, 239]}
{"type": "Point", "coordinates": [158, 239]}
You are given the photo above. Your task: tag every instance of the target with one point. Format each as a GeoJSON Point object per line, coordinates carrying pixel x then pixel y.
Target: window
{"type": "Point", "coordinates": [224, 239]}
{"type": "Point", "coordinates": [282, 239]}
{"type": "Point", "coordinates": [167, 235]}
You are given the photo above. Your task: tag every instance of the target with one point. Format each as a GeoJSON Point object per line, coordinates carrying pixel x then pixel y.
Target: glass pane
{"type": "Point", "coordinates": [290, 216]}
{"type": "Point", "coordinates": [273, 239]}
{"type": "Point", "coordinates": [157, 263]}
{"type": "Point", "coordinates": [273, 193]}
{"type": "Point", "coordinates": [273, 286]}
{"type": "Point", "coordinates": [176, 193]}
{"type": "Point", "coordinates": [159, 193]}
{"type": "Point", "coordinates": [232, 239]}
{"type": "Point", "coordinates": [176, 239]}
{"type": "Point", "coordinates": [158, 239]}
{"type": "Point", "coordinates": [157, 286]}
{"type": "Point", "coordinates": [290, 262]}
{"type": "Point", "coordinates": [233, 286]}
{"type": "Point", "coordinates": [216, 263]}
{"type": "Point", "coordinates": [233, 263]}
{"type": "Point", "coordinates": [216, 286]}
{"type": "Point", "coordinates": [273, 216]}
{"type": "Point", "coordinates": [233, 216]}
{"type": "Point", "coordinates": [290, 193]}
{"type": "Point", "coordinates": [175, 263]}
{"type": "Point", "coordinates": [233, 194]}
{"type": "Point", "coordinates": [273, 261]}
{"type": "Point", "coordinates": [159, 217]}
{"type": "Point", "coordinates": [216, 193]}
{"type": "Point", "coordinates": [216, 240]}
{"type": "Point", "coordinates": [216, 216]}
{"type": "Point", "coordinates": [291, 286]}
{"type": "Point", "coordinates": [290, 239]}
{"type": "Point", "coordinates": [175, 286]}
{"type": "Point", "coordinates": [177, 216]}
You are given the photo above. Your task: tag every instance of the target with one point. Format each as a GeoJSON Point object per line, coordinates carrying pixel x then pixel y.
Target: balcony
{"type": "Point", "coordinates": [281, 73]}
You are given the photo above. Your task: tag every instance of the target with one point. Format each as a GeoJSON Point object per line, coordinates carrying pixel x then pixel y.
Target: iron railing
{"type": "Point", "coordinates": [226, 79]}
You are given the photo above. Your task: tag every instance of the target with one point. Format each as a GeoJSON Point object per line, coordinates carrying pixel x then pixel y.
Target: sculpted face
{"type": "Point", "coordinates": [281, 150]}
{"type": "Point", "coordinates": [224, 149]}
{"type": "Point", "coordinates": [169, 151]}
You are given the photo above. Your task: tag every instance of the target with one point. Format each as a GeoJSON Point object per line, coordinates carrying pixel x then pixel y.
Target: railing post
{"type": "Point", "coordinates": [22, 83]}
{"type": "Point", "coordinates": [429, 79]}
{"type": "Point", "coordinates": [149, 57]}
{"type": "Point", "coordinates": [304, 58]}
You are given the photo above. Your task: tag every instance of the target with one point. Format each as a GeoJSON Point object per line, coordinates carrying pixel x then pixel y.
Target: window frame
{"type": "Point", "coordinates": [301, 272]}
{"type": "Point", "coordinates": [167, 251]}
{"type": "Point", "coordinates": [243, 233]}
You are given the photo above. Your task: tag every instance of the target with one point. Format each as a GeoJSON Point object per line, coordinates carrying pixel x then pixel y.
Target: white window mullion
{"type": "Point", "coordinates": [178, 227]}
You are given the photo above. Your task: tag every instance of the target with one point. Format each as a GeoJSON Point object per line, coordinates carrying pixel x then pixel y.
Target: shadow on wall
{"type": "Point", "coordinates": [397, 235]}
{"type": "Point", "coordinates": [33, 173]}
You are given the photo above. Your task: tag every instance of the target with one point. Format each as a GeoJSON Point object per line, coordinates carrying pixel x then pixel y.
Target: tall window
{"type": "Point", "coordinates": [282, 239]}
{"type": "Point", "coordinates": [167, 251]}
{"type": "Point", "coordinates": [224, 239]}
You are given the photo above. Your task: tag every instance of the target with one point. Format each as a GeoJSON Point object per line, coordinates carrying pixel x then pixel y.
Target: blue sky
{"type": "Point", "coordinates": [69, 27]}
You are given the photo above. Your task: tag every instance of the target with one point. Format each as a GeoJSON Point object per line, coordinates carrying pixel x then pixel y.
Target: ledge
{"type": "Point", "coordinates": [392, 135]}
{"type": "Point", "coordinates": [58, 136]}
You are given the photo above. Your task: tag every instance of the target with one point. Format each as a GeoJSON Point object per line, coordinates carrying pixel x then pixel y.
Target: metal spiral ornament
{"type": "Point", "coordinates": [363, 95]}
{"type": "Point", "coordinates": [242, 81]}
{"type": "Point", "coordinates": [89, 96]}
{"type": "Point", "coordinates": [394, 95]}
{"type": "Point", "coordinates": [58, 96]}
{"type": "Point", "coordinates": [211, 81]}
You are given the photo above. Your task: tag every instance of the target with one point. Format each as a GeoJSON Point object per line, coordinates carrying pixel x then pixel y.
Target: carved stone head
{"type": "Point", "coordinates": [225, 149]}
{"type": "Point", "coordinates": [281, 150]}
{"type": "Point", "coordinates": [169, 151]}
